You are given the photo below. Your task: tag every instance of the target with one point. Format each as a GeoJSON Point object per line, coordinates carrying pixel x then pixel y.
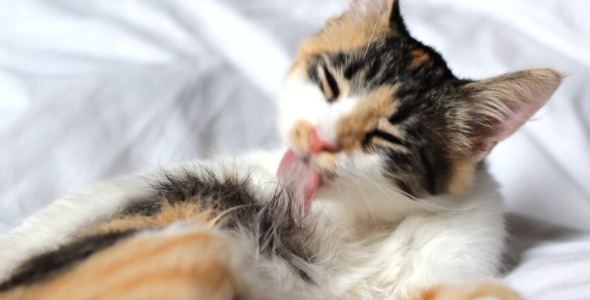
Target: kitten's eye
{"type": "Point", "coordinates": [328, 83]}
{"type": "Point", "coordinates": [383, 138]}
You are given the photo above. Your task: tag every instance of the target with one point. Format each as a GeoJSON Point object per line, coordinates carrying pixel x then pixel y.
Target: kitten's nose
{"type": "Point", "coordinates": [317, 144]}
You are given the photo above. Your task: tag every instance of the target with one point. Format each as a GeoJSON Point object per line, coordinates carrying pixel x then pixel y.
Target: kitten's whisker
{"type": "Point", "coordinates": [371, 38]}
{"type": "Point", "coordinates": [433, 207]}
{"type": "Point", "coordinates": [330, 244]}
{"type": "Point", "coordinates": [366, 199]}
{"type": "Point", "coordinates": [417, 201]}
{"type": "Point", "coordinates": [381, 187]}
{"type": "Point", "coordinates": [412, 198]}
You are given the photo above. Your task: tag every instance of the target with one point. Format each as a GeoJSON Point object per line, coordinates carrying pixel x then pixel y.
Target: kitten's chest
{"type": "Point", "coordinates": [371, 264]}
{"type": "Point", "coordinates": [394, 261]}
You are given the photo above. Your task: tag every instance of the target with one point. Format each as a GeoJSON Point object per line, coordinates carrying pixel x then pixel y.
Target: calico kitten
{"type": "Point", "coordinates": [382, 193]}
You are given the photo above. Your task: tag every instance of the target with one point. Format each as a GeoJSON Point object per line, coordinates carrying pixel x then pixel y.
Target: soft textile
{"type": "Point", "coordinates": [94, 89]}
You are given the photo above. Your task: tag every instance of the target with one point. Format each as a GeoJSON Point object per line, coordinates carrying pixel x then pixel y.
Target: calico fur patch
{"type": "Point", "coordinates": [53, 263]}
{"type": "Point", "coordinates": [227, 202]}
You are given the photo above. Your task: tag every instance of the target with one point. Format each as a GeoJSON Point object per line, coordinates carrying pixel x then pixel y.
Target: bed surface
{"type": "Point", "coordinates": [94, 89]}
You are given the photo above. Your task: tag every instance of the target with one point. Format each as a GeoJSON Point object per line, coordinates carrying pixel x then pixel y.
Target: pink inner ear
{"type": "Point", "coordinates": [502, 129]}
{"type": "Point", "coordinates": [523, 96]}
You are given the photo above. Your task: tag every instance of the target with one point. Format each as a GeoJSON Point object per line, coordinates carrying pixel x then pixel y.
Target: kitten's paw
{"type": "Point", "coordinates": [469, 291]}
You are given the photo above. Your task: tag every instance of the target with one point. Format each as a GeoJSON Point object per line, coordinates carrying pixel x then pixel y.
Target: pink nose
{"type": "Point", "coordinates": [317, 144]}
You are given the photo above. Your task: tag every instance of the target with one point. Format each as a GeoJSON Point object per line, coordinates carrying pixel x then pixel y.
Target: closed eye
{"type": "Point", "coordinates": [328, 83]}
{"type": "Point", "coordinates": [383, 137]}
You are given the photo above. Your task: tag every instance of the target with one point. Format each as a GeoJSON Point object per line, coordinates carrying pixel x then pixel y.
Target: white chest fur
{"type": "Point", "coordinates": [444, 239]}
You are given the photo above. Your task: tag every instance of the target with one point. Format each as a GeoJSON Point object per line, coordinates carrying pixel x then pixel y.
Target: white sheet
{"type": "Point", "coordinates": [93, 89]}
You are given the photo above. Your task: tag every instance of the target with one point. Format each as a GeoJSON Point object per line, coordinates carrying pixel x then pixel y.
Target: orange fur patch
{"type": "Point", "coordinates": [468, 291]}
{"type": "Point", "coordinates": [169, 214]}
{"type": "Point", "coordinates": [419, 58]}
{"type": "Point", "coordinates": [363, 117]}
{"type": "Point", "coordinates": [350, 31]}
{"type": "Point", "coordinates": [462, 174]}
{"type": "Point", "coordinates": [189, 265]}
{"type": "Point", "coordinates": [299, 136]}
{"type": "Point", "coordinates": [345, 33]}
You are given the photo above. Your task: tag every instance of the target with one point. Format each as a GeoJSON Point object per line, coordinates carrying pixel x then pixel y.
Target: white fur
{"type": "Point", "coordinates": [430, 244]}
{"type": "Point", "coordinates": [364, 255]}
{"type": "Point", "coordinates": [375, 243]}
{"type": "Point", "coordinates": [58, 222]}
{"type": "Point", "coordinates": [301, 99]}
{"type": "Point", "coordinates": [378, 243]}
{"type": "Point", "coordinates": [369, 256]}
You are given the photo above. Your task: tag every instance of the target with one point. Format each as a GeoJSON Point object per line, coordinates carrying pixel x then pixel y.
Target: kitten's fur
{"type": "Point", "coordinates": [406, 208]}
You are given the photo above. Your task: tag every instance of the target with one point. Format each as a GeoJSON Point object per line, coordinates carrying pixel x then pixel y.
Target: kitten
{"type": "Point", "coordinates": [382, 193]}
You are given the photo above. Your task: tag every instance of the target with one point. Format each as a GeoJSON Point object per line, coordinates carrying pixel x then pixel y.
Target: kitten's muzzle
{"type": "Point", "coordinates": [317, 144]}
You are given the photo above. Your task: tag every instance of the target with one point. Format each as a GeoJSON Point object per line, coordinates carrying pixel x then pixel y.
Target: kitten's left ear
{"type": "Point", "coordinates": [387, 10]}
{"type": "Point", "coordinates": [501, 105]}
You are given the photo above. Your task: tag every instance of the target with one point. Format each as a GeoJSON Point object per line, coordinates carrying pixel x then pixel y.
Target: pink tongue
{"type": "Point", "coordinates": [299, 177]}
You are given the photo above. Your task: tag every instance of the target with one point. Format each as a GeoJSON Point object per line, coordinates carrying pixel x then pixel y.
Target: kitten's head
{"type": "Point", "coordinates": [364, 100]}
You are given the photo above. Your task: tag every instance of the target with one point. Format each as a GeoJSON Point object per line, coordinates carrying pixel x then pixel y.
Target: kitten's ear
{"type": "Point", "coordinates": [396, 22]}
{"type": "Point", "coordinates": [501, 105]}
{"type": "Point", "coordinates": [387, 10]}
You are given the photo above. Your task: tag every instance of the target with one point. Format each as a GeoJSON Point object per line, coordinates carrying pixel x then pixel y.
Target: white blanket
{"type": "Point", "coordinates": [93, 89]}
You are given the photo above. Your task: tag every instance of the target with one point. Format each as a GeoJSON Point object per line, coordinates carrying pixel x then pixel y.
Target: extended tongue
{"type": "Point", "coordinates": [299, 178]}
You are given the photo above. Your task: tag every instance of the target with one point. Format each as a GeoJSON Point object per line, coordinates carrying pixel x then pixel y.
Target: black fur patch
{"type": "Point", "coordinates": [384, 136]}
{"type": "Point", "coordinates": [54, 263]}
{"type": "Point", "coordinates": [423, 96]}
{"type": "Point", "coordinates": [395, 19]}
{"type": "Point", "coordinates": [332, 84]}
{"type": "Point", "coordinates": [272, 220]}
{"type": "Point", "coordinates": [144, 208]}
{"type": "Point", "coordinates": [429, 172]}
{"type": "Point", "coordinates": [403, 113]}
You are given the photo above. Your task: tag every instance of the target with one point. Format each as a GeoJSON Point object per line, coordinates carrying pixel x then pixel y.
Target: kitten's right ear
{"type": "Point", "coordinates": [499, 106]}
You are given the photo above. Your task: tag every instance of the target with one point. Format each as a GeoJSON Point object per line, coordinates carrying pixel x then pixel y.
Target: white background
{"type": "Point", "coordinates": [94, 89]}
